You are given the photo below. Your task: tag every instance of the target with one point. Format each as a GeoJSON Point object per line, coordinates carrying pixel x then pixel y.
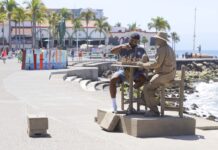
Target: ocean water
{"type": "Point", "coordinates": [206, 98]}
{"type": "Point", "coordinates": [206, 52]}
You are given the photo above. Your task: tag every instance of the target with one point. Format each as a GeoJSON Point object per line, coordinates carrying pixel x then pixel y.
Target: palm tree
{"type": "Point", "coordinates": [23, 16]}
{"type": "Point", "coordinates": [159, 24]}
{"type": "Point", "coordinates": [2, 20]}
{"type": "Point", "coordinates": [41, 19]}
{"type": "Point", "coordinates": [77, 26]}
{"type": "Point", "coordinates": [9, 7]}
{"type": "Point", "coordinates": [15, 18]}
{"type": "Point", "coordinates": [102, 26]}
{"type": "Point", "coordinates": [35, 8]}
{"type": "Point", "coordinates": [53, 19]}
{"type": "Point", "coordinates": [88, 15]}
{"type": "Point", "coordinates": [144, 40]}
{"type": "Point", "coordinates": [19, 16]}
{"type": "Point", "coordinates": [133, 27]}
{"type": "Point", "coordinates": [118, 24]}
{"type": "Point", "coordinates": [175, 39]}
{"type": "Point", "coordinates": [64, 13]}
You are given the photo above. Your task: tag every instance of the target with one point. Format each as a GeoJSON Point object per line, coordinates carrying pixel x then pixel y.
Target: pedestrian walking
{"type": "Point", "coordinates": [72, 54]}
{"type": "Point", "coordinates": [4, 56]}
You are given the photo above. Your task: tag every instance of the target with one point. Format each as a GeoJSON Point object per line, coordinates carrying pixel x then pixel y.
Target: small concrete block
{"type": "Point", "coordinates": [36, 122]}
{"type": "Point", "coordinates": [109, 121]}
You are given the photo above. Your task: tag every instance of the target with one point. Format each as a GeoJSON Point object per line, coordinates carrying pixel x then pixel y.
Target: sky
{"type": "Point", "coordinates": [178, 13]}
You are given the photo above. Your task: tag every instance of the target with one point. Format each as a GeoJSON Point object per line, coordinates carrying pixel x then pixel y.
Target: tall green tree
{"type": "Point", "coordinates": [9, 6]}
{"type": "Point", "coordinates": [15, 19]}
{"type": "Point", "coordinates": [2, 20]}
{"type": "Point", "coordinates": [133, 26]}
{"type": "Point", "coordinates": [175, 39]}
{"type": "Point", "coordinates": [77, 26]}
{"type": "Point", "coordinates": [65, 15]}
{"type": "Point", "coordinates": [159, 24]}
{"type": "Point", "coordinates": [35, 7]}
{"type": "Point", "coordinates": [40, 19]}
{"type": "Point", "coordinates": [19, 16]}
{"type": "Point", "coordinates": [102, 26]}
{"type": "Point", "coordinates": [53, 20]}
{"type": "Point", "coordinates": [88, 15]}
{"type": "Point", "coordinates": [144, 40]}
{"type": "Point", "coordinates": [118, 24]}
{"type": "Point", "coordinates": [24, 17]}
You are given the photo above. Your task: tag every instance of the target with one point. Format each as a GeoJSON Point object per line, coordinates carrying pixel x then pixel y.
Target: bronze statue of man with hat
{"type": "Point", "coordinates": [164, 71]}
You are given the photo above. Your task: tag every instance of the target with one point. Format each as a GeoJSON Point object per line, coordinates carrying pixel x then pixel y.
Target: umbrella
{"type": "Point", "coordinates": [84, 46]}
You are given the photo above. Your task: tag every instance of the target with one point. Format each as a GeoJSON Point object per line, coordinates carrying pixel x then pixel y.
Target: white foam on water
{"type": "Point", "coordinates": [206, 98]}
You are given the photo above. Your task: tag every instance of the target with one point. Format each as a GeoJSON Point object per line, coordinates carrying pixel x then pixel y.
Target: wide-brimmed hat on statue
{"type": "Point", "coordinates": [162, 35]}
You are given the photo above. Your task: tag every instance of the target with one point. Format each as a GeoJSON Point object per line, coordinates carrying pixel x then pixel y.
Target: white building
{"type": "Point", "coordinates": [22, 35]}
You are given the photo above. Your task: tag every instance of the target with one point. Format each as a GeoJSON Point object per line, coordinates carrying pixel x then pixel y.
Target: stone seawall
{"type": "Point", "coordinates": [180, 62]}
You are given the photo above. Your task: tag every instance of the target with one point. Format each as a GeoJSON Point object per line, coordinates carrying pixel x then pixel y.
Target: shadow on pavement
{"type": "Point", "coordinates": [187, 137]}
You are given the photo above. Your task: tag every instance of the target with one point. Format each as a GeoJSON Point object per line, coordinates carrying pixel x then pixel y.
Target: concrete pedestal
{"type": "Point", "coordinates": [37, 125]}
{"type": "Point", "coordinates": [110, 121]}
{"type": "Point", "coordinates": [140, 126]}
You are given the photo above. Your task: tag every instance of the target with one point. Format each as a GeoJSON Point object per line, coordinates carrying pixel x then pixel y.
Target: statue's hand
{"type": "Point", "coordinates": [139, 64]}
{"type": "Point", "coordinates": [126, 46]}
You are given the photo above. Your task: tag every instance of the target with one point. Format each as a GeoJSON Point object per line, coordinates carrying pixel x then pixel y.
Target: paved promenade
{"type": "Point", "coordinates": [71, 113]}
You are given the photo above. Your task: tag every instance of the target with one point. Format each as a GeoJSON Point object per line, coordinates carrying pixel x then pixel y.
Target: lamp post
{"type": "Point", "coordinates": [3, 38]}
{"type": "Point", "coordinates": [42, 36]}
{"type": "Point", "coordinates": [77, 44]}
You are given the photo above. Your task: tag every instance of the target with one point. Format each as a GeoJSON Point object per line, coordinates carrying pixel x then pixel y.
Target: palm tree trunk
{"type": "Point", "coordinates": [35, 37]}
{"type": "Point", "coordinates": [16, 35]}
{"type": "Point", "coordinates": [1, 37]}
{"type": "Point", "coordinates": [3, 33]}
{"type": "Point", "coordinates": [49, 36]}
{"type": "Point", "coordinates": [87, 35]}
{"type": "Point", "coordinates": [40, 36]}
{"type": "Point", "coordinates": [172, 42]}
{"type": "Point", "coordinates": [19, 36]}
{"type": "Point", "coordinates": [77, 43]}
{"type": "Point", "coordinates": [33, 30]}
{"type": "Point", "coordinates": [32, 34]}
{"type": "Point", "coordinates": [100, 39]}
{"type": "Point", "coordinates": [23, 36]}
{"type": "Point", "coordinates": [173, 45]}
{"type": "Point", "coordinates": [9, 33]}
{"type": "Point", "coordinates": [53, 38]}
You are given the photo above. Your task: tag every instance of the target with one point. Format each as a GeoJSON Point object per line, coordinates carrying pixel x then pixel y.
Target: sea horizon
{"type": "Point", "coordinates": [204, 52]}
